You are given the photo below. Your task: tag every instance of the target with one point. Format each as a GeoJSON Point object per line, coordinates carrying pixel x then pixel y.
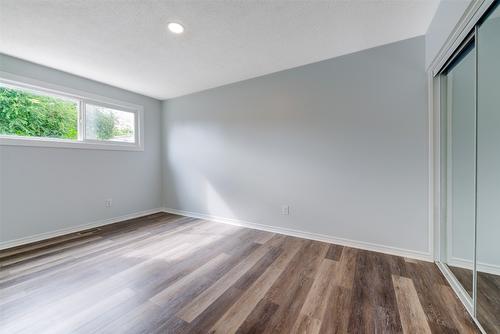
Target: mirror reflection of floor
{"type": "Point", "coordinates": [488, 301]}
{"type": "Point", "coordinates": [464, 276]}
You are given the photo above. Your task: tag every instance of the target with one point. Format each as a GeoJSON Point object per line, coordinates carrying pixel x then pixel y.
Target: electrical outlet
{"type": "Point", "coordinates": [285, 210]}
{"type": "Point", "coordinates": [108, 202]}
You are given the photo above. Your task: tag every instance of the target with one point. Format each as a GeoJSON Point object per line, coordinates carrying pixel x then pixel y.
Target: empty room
{"type": "Point", "coordinates": [249, 166]}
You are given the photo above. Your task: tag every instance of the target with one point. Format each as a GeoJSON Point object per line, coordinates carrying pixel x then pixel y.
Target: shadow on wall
{"type": "Point", "coordinates": [220, 173]}
{"type": "Point", "coordinates": [182, 173]}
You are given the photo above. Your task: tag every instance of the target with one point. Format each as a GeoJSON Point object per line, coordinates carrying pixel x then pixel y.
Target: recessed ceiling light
{"type": "Point", "coordinates": [175, 27]}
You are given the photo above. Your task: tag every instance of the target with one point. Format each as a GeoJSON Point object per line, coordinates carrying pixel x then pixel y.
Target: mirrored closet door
{"type": "Point", "coordinates": [488, 173]}
{"type": "Point", "coordinates": [460, 152]}
{"type": "Point", "coordinates": [470, 170]}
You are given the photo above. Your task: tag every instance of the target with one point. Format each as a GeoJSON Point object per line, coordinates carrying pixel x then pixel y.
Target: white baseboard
{"type": "Point", "coordinates": [281, 230]}
{"type": "Point", "coordinates": [308, 235]}
{"type": "Point", "coordinates": [57, 233]}
{"type": "Point", "coordinates": [481, 266]}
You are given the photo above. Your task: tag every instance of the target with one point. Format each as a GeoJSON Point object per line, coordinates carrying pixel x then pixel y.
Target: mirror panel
{"type": "Point", "coordinates": [461, 167]}
{"type": "Point", "coordinates": [488, 174]}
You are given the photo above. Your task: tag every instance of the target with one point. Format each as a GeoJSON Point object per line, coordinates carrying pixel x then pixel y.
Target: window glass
{"type": "Point", "coordinates": [29, 113]}
{"type": "Point", "coordinates": [106, 124]}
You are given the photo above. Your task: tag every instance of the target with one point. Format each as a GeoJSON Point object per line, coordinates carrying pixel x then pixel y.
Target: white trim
{"type": "Point", "coordinates": [435, 210]}
{"type": "Point", "coordinates": [68, 230]}
{"type": "Point", "coordinates": [463, 27]}
{"type": "Point", "coordinates": [468, 264]}
{"type": "Point", "coordinates": [65, 91]}
{"type": "Point", "coordinates": [449, 165]}
{"type": "Point", "coordinates": [476, 62]}
{"type": "Point", "coordinates": [424, 256]}
{"type": "Point", "coordinates": [231, 221]}
{"type": "Point", "coordinates": [61, 143]}
{"type": "Point", "coordinates": [430, 169]}
{"type": "Point", "coordinates": [82, 97]}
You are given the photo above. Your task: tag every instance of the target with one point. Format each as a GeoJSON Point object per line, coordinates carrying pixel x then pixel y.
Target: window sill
{"type": "Point", "coordinates": [60, 143]}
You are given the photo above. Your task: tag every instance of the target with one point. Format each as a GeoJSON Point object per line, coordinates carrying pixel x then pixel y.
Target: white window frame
{"type": "Point", "coordinates": [82, 98]}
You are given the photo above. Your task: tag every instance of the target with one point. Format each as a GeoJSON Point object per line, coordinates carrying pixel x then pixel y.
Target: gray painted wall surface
{"type": "Point", "coordinates": [447, 16]}
{"type": "Point", "coordinates": [46, 189]}
{"type": "Point", "coordinates": [344, 142]}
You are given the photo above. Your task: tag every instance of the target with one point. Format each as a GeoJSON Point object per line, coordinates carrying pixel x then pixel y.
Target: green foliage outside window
{"type": "Point", "coordinates": [26, 114]}
{"type": "Point", "coordinates": [23, 113]}
{"type": "Point", "coordinates": [105, 124]}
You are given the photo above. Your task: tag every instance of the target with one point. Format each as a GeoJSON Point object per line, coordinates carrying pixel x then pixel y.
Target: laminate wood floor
{"type": "Point", "coordinates": [169, 274]}
{"type": "Point", "coordinates": [488, 296]}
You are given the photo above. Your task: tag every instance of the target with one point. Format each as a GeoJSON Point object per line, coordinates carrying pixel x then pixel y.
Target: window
{"type": "Point", "coordinates": [35, 116]}
{"type": "Point", "coordinates": [102, 123]}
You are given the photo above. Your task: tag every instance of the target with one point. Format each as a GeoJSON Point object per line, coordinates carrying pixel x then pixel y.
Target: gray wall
{"type": "Point", "coordinates": [447, 16]}
{"type": "Point", "coordinates": [344, 142]}
{"type": "Point", "coordinates": [47, 189]}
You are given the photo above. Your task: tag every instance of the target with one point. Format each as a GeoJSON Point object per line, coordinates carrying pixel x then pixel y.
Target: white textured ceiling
{"type": "Point", "coordinates": [125, 42]}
